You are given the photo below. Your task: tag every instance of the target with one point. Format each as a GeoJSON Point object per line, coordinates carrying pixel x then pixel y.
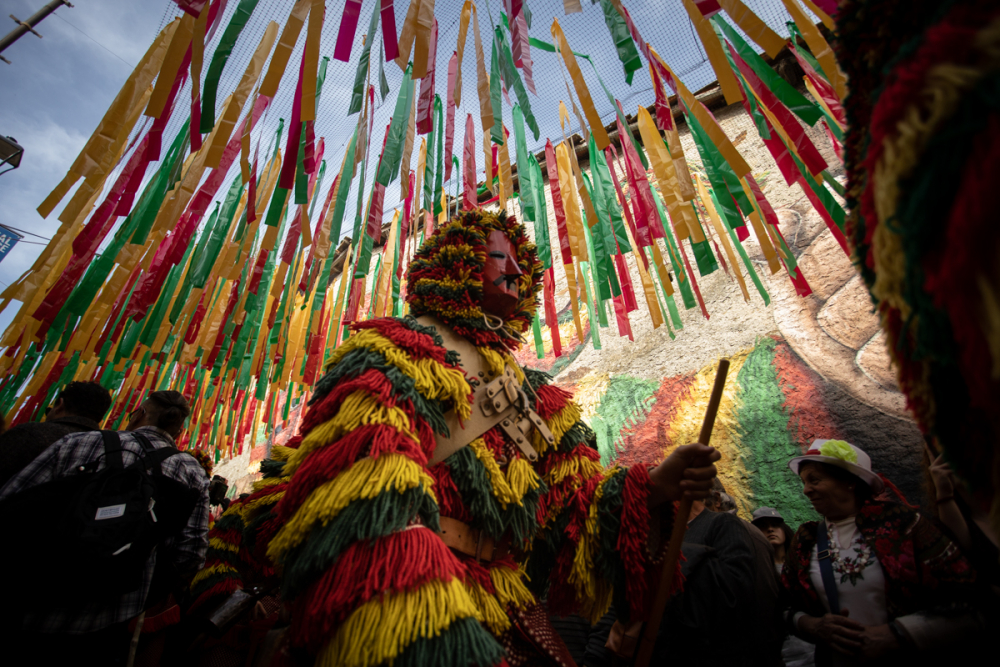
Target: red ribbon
{"type": "Point", "coordinates": [551, 317]}
{"type": "Point", "coordinates": [552, 168]}
{"type": "Point", "coordinates": [664, 115]}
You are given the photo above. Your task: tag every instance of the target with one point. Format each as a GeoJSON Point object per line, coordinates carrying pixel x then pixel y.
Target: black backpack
{"type": "Point", "coordinates": [88, 537]}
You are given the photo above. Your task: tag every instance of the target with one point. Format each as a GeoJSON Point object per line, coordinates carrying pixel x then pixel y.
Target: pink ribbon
{"type": "Point", "coordinates": [551, 316]}
{"type": "Point", "coordinates": [806, 150]}
{"type": "Point", "coordinates": [552, 168]}
{"type": "Point", "coordinates": [425, 103]}
{"type": "Point", "coordinates": [449, 128]}
{"type": "Point", "coordinates": [348, 27]}
{"type": "Point", "coordinates": [286, 179]}
{"type": "Point", "coordinates": [389, 40]}
{"type": "Point", "coordinates": [469, 198]}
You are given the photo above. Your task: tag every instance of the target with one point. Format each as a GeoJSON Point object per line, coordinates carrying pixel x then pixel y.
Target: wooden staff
{"type": "Point", "coordinates": [665, 589]}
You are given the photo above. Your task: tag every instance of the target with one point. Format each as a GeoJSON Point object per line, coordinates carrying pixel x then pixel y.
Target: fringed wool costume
{"type": "Point", "coordinates": [923, 155]}
{"type": "Point", "coordinates": [363, 519]}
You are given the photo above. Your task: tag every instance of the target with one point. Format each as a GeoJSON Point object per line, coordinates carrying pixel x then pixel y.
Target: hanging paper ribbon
{"type": "Point", "coordinates": [348, 28]}
{"type": "Point", "coordinates": [222, 52]}
{"type": "Point", "coordinates": [425, 103]}
{"type": "Point", "coordinates": [469, 160]}
{"type": "Point", "coordinates": [449, 128]}
{"type": "Point", "coordinates": [361, 73]}
{"type": "Point", "coordinates": [596, 126]}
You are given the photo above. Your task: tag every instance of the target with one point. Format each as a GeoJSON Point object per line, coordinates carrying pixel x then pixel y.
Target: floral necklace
{"type": "Point", "coordinates": [848, 567]}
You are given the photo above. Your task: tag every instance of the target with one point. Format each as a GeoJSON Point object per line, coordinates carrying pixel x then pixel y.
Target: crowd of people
{"type": "Point", "coordinates": [873, 579]}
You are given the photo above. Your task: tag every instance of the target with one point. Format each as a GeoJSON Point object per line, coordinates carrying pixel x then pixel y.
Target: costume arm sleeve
{"type": "Point", "coordinates": [369, 579]}
{"type": "Point", "coordinates": [595, 522]}
{"type": "Point", "coordinates": [930, 631]}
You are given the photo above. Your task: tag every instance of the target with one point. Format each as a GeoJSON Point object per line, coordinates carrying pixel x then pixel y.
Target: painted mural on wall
{"type": "Point", "coordinates": [820, 372]}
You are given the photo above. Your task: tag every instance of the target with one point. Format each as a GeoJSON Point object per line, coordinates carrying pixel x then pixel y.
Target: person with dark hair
{"type": "Point", "coordinates": [81, 406]}
{"type": "Point", "coordinates": [873, 580]}
{"type": "Point", "coordinates": [770, 522]}
{"type": "Point", "coordinates": [60, 629]}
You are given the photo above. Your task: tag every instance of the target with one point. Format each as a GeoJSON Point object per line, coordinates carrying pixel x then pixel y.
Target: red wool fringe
{"type": "Point", "coordinates": [633, 535]}
{"type": "Point", "coordinates": [417, 345]}
{"type": "Point", "coordinates": [551, 399]}
{"type": "Point", "coordinates": [326, 463]}
{"type": "Point", "coordinates": [448, 497]}
{"type": "Point", "coordinates": [372, 381]}
{"type": "Point", "coordinates": [402, 561]}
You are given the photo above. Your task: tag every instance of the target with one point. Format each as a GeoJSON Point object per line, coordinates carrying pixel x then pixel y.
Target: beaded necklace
{"type": "Point", "coordinates": [847, 567]}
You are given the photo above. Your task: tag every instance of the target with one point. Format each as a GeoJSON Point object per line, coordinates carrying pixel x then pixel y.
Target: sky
{"type": "Point", "coordinates": [57, 88]}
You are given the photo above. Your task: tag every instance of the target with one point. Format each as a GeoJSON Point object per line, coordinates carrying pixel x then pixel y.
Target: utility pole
{"type": "Point", "coordinates": [29, 25]}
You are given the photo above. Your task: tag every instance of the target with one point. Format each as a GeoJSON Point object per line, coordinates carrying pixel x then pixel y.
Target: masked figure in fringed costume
{"type": "Point", "coordinates": [438, 490]}
{"type": "Point", "coordinates": [922, 154]}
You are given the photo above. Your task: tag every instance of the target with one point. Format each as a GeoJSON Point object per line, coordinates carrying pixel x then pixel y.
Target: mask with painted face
{"type": "Point", "coordinates": [500, 276]}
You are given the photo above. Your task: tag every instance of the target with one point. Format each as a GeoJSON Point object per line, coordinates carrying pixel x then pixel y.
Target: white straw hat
{"type": "Point", "coordinates": [843, 455]}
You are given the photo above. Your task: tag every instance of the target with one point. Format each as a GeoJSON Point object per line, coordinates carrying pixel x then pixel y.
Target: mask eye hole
{"type": "Point", "coordinates": [496, 254]}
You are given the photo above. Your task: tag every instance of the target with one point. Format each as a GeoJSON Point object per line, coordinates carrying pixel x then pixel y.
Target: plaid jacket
{"type": "Point", "coordinates": [189, 546]}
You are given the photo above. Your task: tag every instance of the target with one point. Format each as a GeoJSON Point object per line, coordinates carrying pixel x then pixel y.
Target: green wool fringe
{"type": "Point", "coordinates": [366, 519]}
{"type": "Point", "coordinates": [464, 643]}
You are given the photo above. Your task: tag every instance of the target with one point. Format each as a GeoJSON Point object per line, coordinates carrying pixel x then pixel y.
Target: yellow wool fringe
{"type": "Point", "coordinates": [492, 613]}
{"type": "Point", "coordinates": [521, 477]}
{"type": "Point", "coordinates": [575, 465]}
{"type": "Point", "coordinates": [220, 568]}
{"type": "Point", "coordinates": [263, 501]}
{"type": "Point", "coordinates": [281, 453]}
{"type": "Point", "coordinates": [216, 543]}
{"type": "Point", "coordinates": [501, 490]}
{"type": "Point", "coordinates": [433, 380]}
{"type": "Point", "coordinates": [380, 629]}
{"type": "Point", "coordinates": [496, 362]}
{"type": "Point", "coordinates": [510, 587]}
{"type": "Point", "coordinates": [365, 479]}
{"type": "Point", "coordinates": [358, 409]}
{"type": "Point", "coordinates": [943, 91]}
{"type": "Point", "coordinates": [583, 574]}
{"type": "Point", "coordinates": [270, 481]}
{"type": "Point", "coordinates": [560, 422]}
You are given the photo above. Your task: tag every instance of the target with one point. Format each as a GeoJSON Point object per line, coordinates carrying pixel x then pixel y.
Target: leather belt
{"type": "Point", "coordinates": [470, 541]}
{"type": "Point", "coordinates": [497, 400]}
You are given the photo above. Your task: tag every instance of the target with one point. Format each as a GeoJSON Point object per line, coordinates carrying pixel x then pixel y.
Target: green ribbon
{"type": "Point", "coordinates": [683, 283]}
{"type": "Point", "coordinates": [222, 52]}
{"type": "Point", "coordinates": [392, 154]}
{"type": "Point", "coordinates": [524, 184]}
{"type": "Point", "coordinates": [593, 289]}
{"type": "Point", "coordinates": [211, 247]}
{"type": "Point", "coordinates": [383, 85]}
{"type": "Point", "coordinates": [339, 208]}
{"type": "Point", "coordinates": [167, 175]}
{"type": "Point", "coordinates": [542, 241]}
{"type": "Point", "coordinates": [627, 52]}
{"type": "Point", "coordinates": [496, 132]}
{"type": "Point", "coordinates": [619, 235]}
{"type": "Point", "coordinates": [808, 111]}
{"type": "Point", "coordinates": [361, 74]}
{"type": "Point", "coordinates": [439, 162]}
{"type": "Point", "coordinates": [536, 329]}
{"type": "Point", "coordinates": [301, 177]}
{"type": "Point", "coordinates": [743, 254]}
{"type": "Point", "coordinates": [721, 176]}
{"type": "Point", "coordinates": [603, 240]}
{"type": "Point", "coordinates": [512, 78]}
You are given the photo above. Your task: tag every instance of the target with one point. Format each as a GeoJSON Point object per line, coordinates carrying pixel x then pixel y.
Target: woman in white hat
{"type": "Point", "coordinates": [869, 580]}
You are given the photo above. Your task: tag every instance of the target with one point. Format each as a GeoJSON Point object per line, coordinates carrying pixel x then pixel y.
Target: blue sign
{"type": "Point", "coordinates": [7, 241]}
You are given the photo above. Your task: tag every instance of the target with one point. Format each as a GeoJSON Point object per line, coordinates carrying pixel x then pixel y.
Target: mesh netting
{"type": "Point", "coordinates": [664, 23]}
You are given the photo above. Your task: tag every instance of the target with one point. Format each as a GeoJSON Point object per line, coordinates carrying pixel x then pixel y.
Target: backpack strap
{"type": "Point", "coordinates": [155, 456]}
{"type": "Point", "coordinates": [826, 568]}
{"type": "Point", "coordinates": [113, 449]}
